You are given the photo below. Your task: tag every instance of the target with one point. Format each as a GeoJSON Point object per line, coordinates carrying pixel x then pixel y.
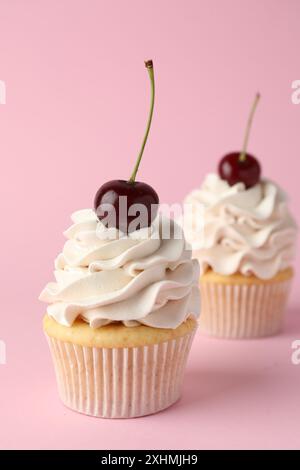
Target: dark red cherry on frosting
{"type": "Point", "coordinates": [115, 199]}
{"type": "Point", "coordinates": [109, 204]}
{"type": "Point", "coordinates": [234, 170]}
{"type": "Point", "coordinates": [241, 167]}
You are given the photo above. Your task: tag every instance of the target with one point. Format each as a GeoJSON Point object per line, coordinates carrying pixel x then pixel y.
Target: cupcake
{"type": "Point", "coordinates": [244, 237]}
{"type": "Point", "coordinates": [123, 311]}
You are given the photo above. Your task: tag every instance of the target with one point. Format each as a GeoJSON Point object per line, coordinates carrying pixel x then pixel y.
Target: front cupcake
{"type": "Point", "coordinates": [121, 318]}
{"type": "Point", "coordinates": [123, 310]}
{"type": "Point", "coordinates": [245, 246]}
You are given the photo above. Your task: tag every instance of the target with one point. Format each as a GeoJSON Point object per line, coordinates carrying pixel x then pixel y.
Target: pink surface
{"type": "Point", "coordinates": [77, 98]}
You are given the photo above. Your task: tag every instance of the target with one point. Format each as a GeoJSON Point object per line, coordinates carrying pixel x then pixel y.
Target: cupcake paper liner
{"type": "Point", "coordinates": [243, 310]}
{"type": "Point", "coordinates": [120, 382]}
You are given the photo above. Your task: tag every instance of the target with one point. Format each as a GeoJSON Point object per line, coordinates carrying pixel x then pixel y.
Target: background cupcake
{"type": "Point", "coordinates": [245, 247]}
{"type": "Point", "coordinates": [245, 252]}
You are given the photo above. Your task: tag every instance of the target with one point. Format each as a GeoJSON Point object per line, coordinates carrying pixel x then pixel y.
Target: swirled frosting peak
{"type": "Point", "coordinates": [104, 276]}
{"type": "Point", "coordinates": [249, 231]}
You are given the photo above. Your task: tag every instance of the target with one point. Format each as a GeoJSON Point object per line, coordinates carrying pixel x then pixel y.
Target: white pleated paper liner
{"type": "Point", "coordinates": [120, 382]}
{"type": "Point", "coordinates": [243, 311]}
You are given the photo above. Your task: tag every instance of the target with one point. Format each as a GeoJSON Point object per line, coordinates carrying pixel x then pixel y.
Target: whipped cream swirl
{"type": "Point", "coordinates": [104, 276]}
{"type": "Point", "coordinates": [249, 231]}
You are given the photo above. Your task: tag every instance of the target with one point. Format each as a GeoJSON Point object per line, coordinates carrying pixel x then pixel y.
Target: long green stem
{"type": "Point", "coordinates": [243, 153]}
{"type": "Point", "coordinates": [149, 67]}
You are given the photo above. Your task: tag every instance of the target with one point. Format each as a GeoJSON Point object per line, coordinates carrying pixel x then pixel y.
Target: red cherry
{"type": "Point", "coordinates": [234, 170]}
{"type": "Point", "coordinates": [115, 199]}
{"type": "Point", "coordinates": [241, 167]}
{"type": "Point", "coordinates": [110, 205]}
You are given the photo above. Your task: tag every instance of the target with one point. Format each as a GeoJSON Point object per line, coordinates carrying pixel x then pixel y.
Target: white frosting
{"type": "Point", "coordinates": [249, 231]}
{"type": "Point", "coordinates": [104, 276]}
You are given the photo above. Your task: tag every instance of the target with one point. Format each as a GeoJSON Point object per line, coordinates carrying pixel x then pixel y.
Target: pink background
{"type": "Point", "coordinates": [77, 101]}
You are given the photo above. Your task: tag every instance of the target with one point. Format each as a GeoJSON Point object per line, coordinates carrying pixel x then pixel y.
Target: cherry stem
{"type": "Point", "coordinates": [149, 67]}
{"type": "Point", "coordinates": [243, 154]}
